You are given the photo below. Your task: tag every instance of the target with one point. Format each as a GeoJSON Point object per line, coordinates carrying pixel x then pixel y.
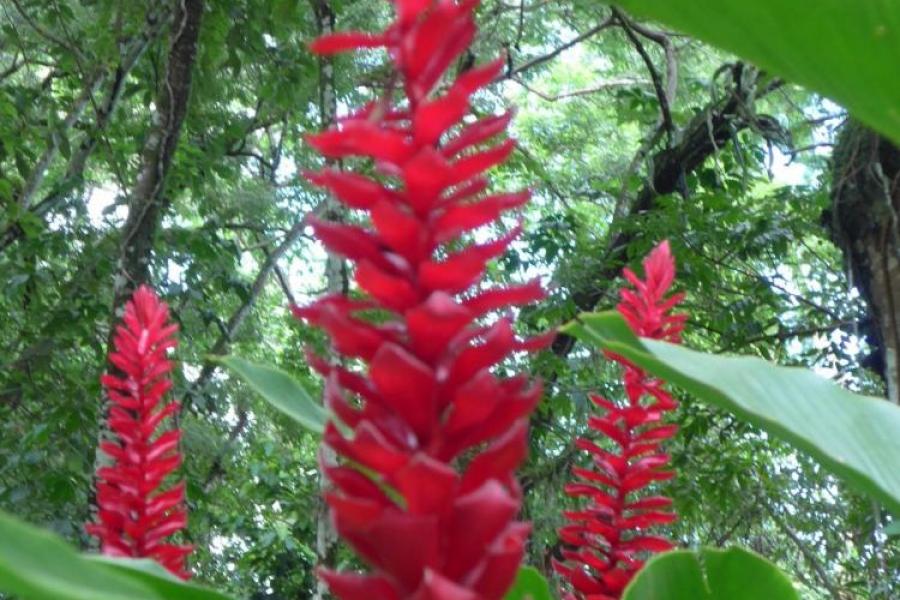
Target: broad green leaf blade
{"type": "Point", "coordinates": [281, 391]}
{"type": "Point", "coordinates": [856, 437]}
{"type": "Point", "coordinates": [675, 575]}
{"type": "Point", "coordinates": [738, 574]}
{"type": "Point", "coordinates": [893, 529]}
{"type": "Point", "coordinates": [37, 565]}
{"type": "Point", "coordinates": [845, 49]}
{"type": "Point", "coordinates": [710, 574]}
{"type": "Point", "coordinates": [529, 585]}
{"type": "Point", "coordinates": [155, 577]}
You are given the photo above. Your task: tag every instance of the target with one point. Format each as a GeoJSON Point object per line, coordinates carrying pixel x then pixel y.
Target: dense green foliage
{"type": "Point", "coordinates": [629, 133]}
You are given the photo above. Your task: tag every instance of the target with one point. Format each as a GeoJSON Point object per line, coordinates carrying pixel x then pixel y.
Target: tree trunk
{"type": "Point", "coordinates": [336, 282]}
{"type": "Point", "coordinates": [146, 202]}
{"type": "Point", "coordinates": [864, 223]}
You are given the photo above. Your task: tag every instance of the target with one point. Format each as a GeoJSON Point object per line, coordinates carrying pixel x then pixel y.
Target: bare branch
{"type": "Point", "coordinates": [809, 148]}
{"type": "Point", "coordinates": [804, 332]}
{"type": "Point", "coordinates": [36, 177]}
{"type": "Point", "coordinates": [254, 155]}
{"type": "Point", "coordinates": [664, 40]}
{"type": "Point", "coordinates": [521, 7]}
{"type": "Point", "coordinates": [621, 209]}
{"type": "Point", "coordinates": [13, 68]}
{"type": "Point", "coordinates": [662, 92]}
{"type": "Point", "coordinates": [600, 87]}
{"type": "Point", "coordinates": [556, 52]}
{"type": "Point", "coordinates": [808, 554]}
{"type": "Point", "coordinates": [282, 279]}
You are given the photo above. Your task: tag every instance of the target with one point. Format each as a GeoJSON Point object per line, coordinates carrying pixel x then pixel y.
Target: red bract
{"type": "Point", "coordinates": [416, 388]}
{"type": "Point", "coordinates": [135, 515]}
{"type": "Point", "coordinates": [607, 540]}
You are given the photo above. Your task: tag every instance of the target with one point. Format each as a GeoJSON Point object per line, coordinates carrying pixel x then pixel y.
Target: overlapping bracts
{"type": "Point", "coordinates": [417, 389]}
{"type": "Point", "coordinates": [607, 540]}
{"type": "Point", "coordinates": [135, 516]}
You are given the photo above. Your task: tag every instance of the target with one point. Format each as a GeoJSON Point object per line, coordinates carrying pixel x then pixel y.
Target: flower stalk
{"type": "Point", "coordinates": [607, 540]}
{"type": "Point", "coordinates": [135, 512]}
{"type": "Point", "coordinates": [425, 491]}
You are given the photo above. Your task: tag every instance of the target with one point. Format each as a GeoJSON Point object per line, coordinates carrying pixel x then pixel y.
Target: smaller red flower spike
{"type": "Point", "coordinates": [606, 540]}
{"type": "Point", "coordinates": [134, 515]}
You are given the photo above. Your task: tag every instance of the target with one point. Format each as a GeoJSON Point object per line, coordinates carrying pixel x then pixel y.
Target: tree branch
{"type": "Point", "coordinates": [602, 86]}
{"type": "Point", "coordinates": [13, 68]}
{"type": "Point", "coordinates": [808, 555]}
{"type": "Point", "coordinates": [804, 332]}
{"type": "Point", "coordinates": [556, 52]}
{"type": "Point", "coordinates": [39, 171]}
{"type": "Point", "coordinates": [665, 41]}
{"type": "Point", "coordinates": [664, 94]}
{"type": "Point", "coordinates": [217, 470]}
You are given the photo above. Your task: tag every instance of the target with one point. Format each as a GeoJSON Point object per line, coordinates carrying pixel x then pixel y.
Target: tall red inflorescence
{"type": "Point", "coordinates": [135, 515]}
{"type": "Point", "coordinates": [607, 540]}
{"type": "Point", "coordinates": [436, 432]}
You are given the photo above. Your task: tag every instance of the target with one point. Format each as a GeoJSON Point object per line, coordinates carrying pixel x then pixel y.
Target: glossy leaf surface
{"type": "Point", "coordinates": [281, 391]}
{"type": "Point", "coordinates": [856, 437]}
{"type": "Point", "coordinates": [710, 574]}
{"type": "Point", "coordinates": [152, 575]}
{"type": "Point", "coordinates": [37, 565]}
{"type": "Point", "coordinates": [529, 585]}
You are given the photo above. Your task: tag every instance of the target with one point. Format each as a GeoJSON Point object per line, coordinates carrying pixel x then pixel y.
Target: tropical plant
{"type": "Point", "coordinates": [134, 515]}
{"type": "Point", "coordinates": [609, 535]}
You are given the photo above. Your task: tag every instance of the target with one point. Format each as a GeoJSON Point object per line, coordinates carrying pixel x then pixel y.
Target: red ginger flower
{"type": "Point", "coordinates": [429, 527]}
{"type": "Point", "coordinates": [606, 539]}
{"type": "Point", "coordinates": [134, 515]}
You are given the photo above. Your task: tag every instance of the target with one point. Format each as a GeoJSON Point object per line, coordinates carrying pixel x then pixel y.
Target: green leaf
{"type": "Point", "coordinates": [710, 574]}
{"type": "Point", "coordinates": [856, 437]}
{"type": "Point", "coordinates": [281, 391]}
{"type": "Point", "coordinates": [37, 565]}
{"type": "Point", "coordinates": [892, 529]}
{"type": "Point", "coordinates": [6, 190]}
{"type": "Point", "coordinates": [65, 147]}
{"type": "Point", "coordinates": [846, 49]}
{"type": "Point", "coordinates": [529, 585]}
{"type": "Point", "coordinates": [154, 576]}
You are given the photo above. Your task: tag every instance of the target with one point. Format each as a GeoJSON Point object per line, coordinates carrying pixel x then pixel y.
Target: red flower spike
{"type": "Point", "coordinates": [428, 528]}
{"type": "Point", "coordinates": [135, 515]}
{"type": "Point", "coordinates": [607, 538]}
